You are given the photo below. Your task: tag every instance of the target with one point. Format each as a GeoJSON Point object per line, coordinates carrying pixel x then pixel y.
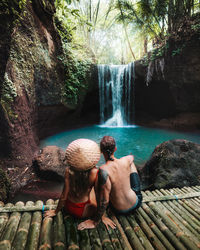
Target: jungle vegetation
{"type": "Point", "coordinates": [120, 31]}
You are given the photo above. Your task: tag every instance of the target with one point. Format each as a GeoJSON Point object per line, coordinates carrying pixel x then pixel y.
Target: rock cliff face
{"type": "Point", "coordinates": [169, 87]}
{"type": "Point", "coordinates": [31, 85]}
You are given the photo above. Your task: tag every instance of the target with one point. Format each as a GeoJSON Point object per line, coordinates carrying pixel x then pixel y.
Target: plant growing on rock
{"type": "Point", "coordinates": [76, 57]}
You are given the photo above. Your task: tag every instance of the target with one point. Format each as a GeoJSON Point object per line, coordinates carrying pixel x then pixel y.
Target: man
{"type": "Point", "coordinates": [118, 184]}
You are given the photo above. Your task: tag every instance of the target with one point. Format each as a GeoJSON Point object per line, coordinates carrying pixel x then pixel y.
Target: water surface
{"type": "Point", "coordinates": [137, 140]}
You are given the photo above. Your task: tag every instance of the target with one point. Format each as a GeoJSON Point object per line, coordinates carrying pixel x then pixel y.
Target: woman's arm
{"type": "Point", "coordinates": [63, 197]}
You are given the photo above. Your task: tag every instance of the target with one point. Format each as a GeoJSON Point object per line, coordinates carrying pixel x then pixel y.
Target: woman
{"type": "Point", "coordinates": [78, 196]}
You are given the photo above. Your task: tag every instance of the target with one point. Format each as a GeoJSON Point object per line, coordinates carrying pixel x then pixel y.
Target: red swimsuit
{"type": "Point", "coordinates": [77, 209]}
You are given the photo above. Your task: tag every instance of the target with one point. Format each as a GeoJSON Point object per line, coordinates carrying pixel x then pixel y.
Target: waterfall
{"type": "Point", "coordinates": [116, 94]}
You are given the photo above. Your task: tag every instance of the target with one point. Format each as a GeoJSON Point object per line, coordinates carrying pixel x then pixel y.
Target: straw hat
{"type": "Point", "coordinates": [82, 154]}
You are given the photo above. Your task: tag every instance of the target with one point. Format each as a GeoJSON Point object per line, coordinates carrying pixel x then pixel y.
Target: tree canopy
{"type": "Point", "coordinates": [120, 31]}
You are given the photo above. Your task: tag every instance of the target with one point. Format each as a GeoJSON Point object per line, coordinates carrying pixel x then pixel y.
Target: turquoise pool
{"type": "Point", "coordinates": [137, 140]}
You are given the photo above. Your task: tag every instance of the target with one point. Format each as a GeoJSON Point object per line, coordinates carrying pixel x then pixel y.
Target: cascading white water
{"type": "Point", "coordinates": [116, 94]}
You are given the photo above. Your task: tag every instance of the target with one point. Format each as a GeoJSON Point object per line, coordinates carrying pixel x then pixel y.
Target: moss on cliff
{"type": "Point", "coordinates": [76, 82]}
{"type": "Point", "coordinates": [9, 92]}
{"type": "Point", "coordinates": [76, 59]}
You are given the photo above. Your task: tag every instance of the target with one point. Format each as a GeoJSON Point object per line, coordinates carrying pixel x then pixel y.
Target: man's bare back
{"type": "Point", "coordinates": [122, 196]}
{"type": "Point", "coordinates": [118, 184]}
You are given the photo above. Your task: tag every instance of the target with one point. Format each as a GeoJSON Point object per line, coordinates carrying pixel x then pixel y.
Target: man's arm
{"type": "Point", "coordinates": [63, 197]}
{"type": "Point", "coordinates": [102, 189]}
{"type": "Point", "coordinates": [103, 193]}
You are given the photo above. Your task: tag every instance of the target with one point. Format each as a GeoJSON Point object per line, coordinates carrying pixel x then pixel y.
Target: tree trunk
{"type": "Point", "coordinates": [145, 45]}
{"type": "Point", "coordinates": [126, 34]}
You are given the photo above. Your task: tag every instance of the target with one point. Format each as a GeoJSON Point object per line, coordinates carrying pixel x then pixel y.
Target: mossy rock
{"type": "Point", "coordinates": [4, 186]}
{"type": "Point", "coordinates": [174, 163]}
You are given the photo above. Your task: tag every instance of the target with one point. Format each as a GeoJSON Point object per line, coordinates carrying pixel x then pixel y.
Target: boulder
{"type": "Point", "coordinates": [174, 163]}
{"type": "Point", "coordinates": [4, 186]}
{"type": "Point", "coordinates": [50, 163]}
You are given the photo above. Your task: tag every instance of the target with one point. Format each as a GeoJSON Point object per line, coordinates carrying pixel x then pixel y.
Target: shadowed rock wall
{"type": "Point", "coordinates": [170, 87]}
{"type": "Point", "coordinates": [31, 79]}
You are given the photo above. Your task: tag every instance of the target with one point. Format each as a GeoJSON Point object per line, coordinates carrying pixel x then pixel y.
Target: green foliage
{"type": "Point", "coordinates": [76, 71]}
{"type": "Point", "coordinates": [12, 8]}
{"type": "Point", "coordinates": [156, 53]}
{"type": "Point", "coordinates": [178, 50]}
{"type": "Point", "coordinates": [76, 57]}
{"type": "Point", "coordinates": [196, 27]}
{"type": "Point", "coordinates": [9, 92]}
{"type": "Point", "coordinates": [8, 89]}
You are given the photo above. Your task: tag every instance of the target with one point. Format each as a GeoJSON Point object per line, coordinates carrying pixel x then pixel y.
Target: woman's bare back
{"type": "Point", "coordinates": [83, 197]}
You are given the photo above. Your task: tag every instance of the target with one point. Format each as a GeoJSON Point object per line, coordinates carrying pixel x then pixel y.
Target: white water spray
{"type": "Point", "coordinates": [116, 94]}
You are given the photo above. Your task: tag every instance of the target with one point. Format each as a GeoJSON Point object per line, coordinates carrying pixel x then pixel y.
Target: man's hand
{"type": "Point", "coordinates": [87, 224]}
{"type": "Point", "coordinates": [50, 213]}
{"type": "Point", "coordinates": [108, 222]}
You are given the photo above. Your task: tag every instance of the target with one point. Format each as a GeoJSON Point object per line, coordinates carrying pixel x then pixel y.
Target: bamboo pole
{"type": "Point", "coordinates": [71, 234]}
{"type": "Point", "coordinates": [154, 240]}
{"type": "Point", "coordinates": [3, 220]}
{"type": "Point", "coordinates": [133, 239]}
{"type": "Point", "coordinates": [197, 200]}
{"type": "Point", "coordinates": [59, 232]}
{"type": "Point", "coordinates": [155, 229]}
{"type": "Point", "coordinates": [196, 188]}
{"type": "Point", "coordinates": [166, 231]}
{"type": "Point", "coordinates": [192, 201]}
{"type": "Point", "coordinates": [95, 240]}
{"type": "Point", "coordinates": [22, 232]}
{"type": "Point", "coordinates": [189, 209]}
{"type": "Point", "coordinates": [120, 233]}
{"type": "Point", "coordinates": [170, 197]}
{"type": "Point", "coordinates": [178, 229]}
{"type": "Point", "coordinates": [11, 209]}
{"type": "Point", "coordinates": [84, 240]}
{"type": "Point", "coordinates": [177, 220]}
{"type": "Point", "coordinates": [185, 214]}
{"type": "Point", "coordinates": [105, 239]}
{"type": "Point", "coordinates": [10, 229]}
{"type": "Point", "coordinates": [186, 221]}
{"type": "Point", "coordinates": [34, 230]}
{"type": "Point", "coordinates": [46, 231]}
{"type": "Point", "coordinates": [194, 208]}
{"type": "Point", "coordinates": [114, 239]}
{"type": "Point", "coordinates": [138, 230]}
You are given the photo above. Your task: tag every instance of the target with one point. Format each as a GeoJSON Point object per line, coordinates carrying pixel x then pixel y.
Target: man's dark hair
{"type": "Point", "coordinates": [107, 145]}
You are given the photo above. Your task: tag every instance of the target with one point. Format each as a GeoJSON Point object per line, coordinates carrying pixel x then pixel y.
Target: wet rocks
{"type": "Point", "coordinates": [50, 163]}
{"type": "Point", "coordinates": [174, 163]}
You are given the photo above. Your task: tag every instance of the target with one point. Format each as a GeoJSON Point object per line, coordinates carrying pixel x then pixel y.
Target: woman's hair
{"type": "Point", "coordinates": [107, 145]}
{"type": "Point", "coordinates": [79, 182]}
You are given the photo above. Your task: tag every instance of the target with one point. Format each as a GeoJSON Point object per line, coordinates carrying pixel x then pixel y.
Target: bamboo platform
{"type": "Point", "coordinates": [167, 219]}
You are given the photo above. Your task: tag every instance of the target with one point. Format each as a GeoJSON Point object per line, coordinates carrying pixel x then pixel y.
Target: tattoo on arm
{"type": "Point", "coordinates": [102, 177]}
{"type": "Point", "coordinates": [103, 196]}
